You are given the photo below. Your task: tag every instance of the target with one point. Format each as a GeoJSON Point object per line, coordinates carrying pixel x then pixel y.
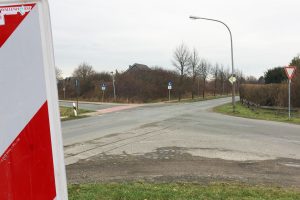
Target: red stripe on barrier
{"type": "Point", "coordinates": [11, 21]}
{"type": "Point", "coordinates": [26, 168]}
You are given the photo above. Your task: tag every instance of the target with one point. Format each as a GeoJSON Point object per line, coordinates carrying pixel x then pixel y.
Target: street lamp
{"type": "Point", "coordinates": [232, 63]}
{"type": "Point", "coordinates": [113, 77]}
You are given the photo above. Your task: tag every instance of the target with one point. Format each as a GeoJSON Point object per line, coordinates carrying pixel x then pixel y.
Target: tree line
{"type": "Point", "coordinates": [189, 64]}
{"type": "Point", "coordinates": [192, 77]}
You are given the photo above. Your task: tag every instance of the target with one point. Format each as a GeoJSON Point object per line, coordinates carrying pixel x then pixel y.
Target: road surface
{"type": "Point", "coordinates": [181, 141]}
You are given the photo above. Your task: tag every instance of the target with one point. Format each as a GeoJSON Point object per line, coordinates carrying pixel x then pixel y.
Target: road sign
{"type": "Point", "coordinates": [232, 79]}
{"type": "Point", "coordinates": [170, 85]}
{"type": "Point", "coordinates": [31, 149]}
{"type": "Point", "coordinates": [170, 88]}
{"type": "Point", "coordinates": [103, 87]}
{"type": "Point", "coordinates": [290, 72]}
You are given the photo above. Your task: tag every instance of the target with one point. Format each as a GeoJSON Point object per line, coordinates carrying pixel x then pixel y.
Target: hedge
{"type": "Point", "coordinates": [270, 94]}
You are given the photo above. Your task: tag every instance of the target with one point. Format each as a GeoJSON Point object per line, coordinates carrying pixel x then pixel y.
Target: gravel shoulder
{"type": "Point", "coordinates": [173, 164]}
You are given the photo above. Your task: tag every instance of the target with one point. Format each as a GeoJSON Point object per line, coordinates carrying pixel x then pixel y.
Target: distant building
{"type": "Point", "coordinates": [137, 67]}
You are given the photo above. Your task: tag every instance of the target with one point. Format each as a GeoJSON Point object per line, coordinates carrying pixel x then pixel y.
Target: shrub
{"type": "Point", "coordinates": [271, 94]}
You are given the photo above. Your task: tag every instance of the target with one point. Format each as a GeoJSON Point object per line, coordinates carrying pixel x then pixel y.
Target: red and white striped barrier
{"type": "Point", "coordinates": [31, 149]}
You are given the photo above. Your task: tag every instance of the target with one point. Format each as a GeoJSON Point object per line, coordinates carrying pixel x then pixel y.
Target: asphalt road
{"type": "Point", "coordinates": [181, 133]}
{"type": "Point", "coordinates": [123, 121]}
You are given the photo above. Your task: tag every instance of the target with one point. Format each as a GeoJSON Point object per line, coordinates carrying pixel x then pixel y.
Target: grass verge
{"type": "Point", "coordinates": [263, 114]}
{"type": "Point", "coordinates": [68, 114]}
{"type": "Point", "coordinates": [142, 191]}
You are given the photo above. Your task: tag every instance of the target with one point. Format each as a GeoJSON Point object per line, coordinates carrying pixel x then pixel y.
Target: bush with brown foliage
{"type": "Point", "coordinates": [137, 86]}
{"type": "Point", "coordinates": [272, 94]}
{"type": "Point", "coordinates": [275, 94]}
{"type": "Point", "coordinates": [143, 86]}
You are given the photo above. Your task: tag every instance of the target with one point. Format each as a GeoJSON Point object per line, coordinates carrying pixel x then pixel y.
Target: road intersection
{"type": "Point", "coordinates": [167, 130]}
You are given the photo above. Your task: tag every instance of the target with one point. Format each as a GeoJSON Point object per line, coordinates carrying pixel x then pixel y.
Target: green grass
{"type": "Point", "coordinates": [68, 113]}
{"type": "Point", "coordinates": [146, 191]}
{"type": "Point", "coordinates": [263, 114]}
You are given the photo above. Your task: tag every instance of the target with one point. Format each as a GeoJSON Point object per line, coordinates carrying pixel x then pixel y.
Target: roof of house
{"type": "Point", "coordinates": [137, 67]}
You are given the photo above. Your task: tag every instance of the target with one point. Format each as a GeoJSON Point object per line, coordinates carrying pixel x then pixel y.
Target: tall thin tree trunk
{"type": "Point", "coordinates": [204, 85]}
{"type": "Point", "coordinates": [180, 87]}
{"type": "Point", "coordinates": [215, 87]}
{"type": "Point", "coordinates": [198, 87]}
{"type": "Point", "coordinates": [222, 87]}
{"type": "Point", "coordinates": [193, 87]}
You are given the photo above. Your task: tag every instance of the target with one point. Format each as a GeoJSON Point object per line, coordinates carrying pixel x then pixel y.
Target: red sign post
{"type": "Point", "coordinates": [290, 73]}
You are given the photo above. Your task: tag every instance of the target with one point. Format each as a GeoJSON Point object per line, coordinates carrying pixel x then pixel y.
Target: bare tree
{"type": "Point", "coordinates": [83, 71]}
{"type": "Point", "coordinates": [251, 80]}
{"type": "Point", "coordinates": [181, 62]}
{"type": "Point", "coordinates": [215, 74]}
{"type": "Point", "coordinates": [204, 70]}
{"type": "Point", "coordinates": [222, 78]}
{"type": "Point", "coordinates": [58, 74]}
{"type": "Point", "coordinates": [240, 79]}
{"type": "Point", "coordinates": [227, 83]}
{"type": "Point", "coordinates": [194, 61]}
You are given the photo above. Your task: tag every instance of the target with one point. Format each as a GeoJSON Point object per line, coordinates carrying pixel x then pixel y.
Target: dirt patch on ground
{"type": "Point", "coordinates": [173, 164]}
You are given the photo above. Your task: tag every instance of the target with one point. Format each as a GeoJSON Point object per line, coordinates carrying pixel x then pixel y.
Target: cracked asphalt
{"type": "Point", "coordinates": [171, 142]}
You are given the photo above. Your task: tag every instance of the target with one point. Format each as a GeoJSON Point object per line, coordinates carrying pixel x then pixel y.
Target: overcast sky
{"type": "Point", "coordinates": [113, 34]}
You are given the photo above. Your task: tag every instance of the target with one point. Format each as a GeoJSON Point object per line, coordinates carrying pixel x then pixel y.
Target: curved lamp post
{"type": "Point", "coordinates": [232, 63]}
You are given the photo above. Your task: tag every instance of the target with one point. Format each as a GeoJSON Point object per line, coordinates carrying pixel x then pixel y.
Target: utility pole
{"type": "Point", "coordinates": [113, 77]}
{"type": "Point", "coordinates": [103, 96]}
{"type": "Point", "coordinates": [77, 93]}
{"type": "Point", "coordinates": [103, 87]}
{"type": "Point", "coordinates": [64, 89]}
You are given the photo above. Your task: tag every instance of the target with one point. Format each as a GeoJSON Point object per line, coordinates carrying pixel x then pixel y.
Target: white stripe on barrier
{"type": "Point", "coordinates": [23, 81]}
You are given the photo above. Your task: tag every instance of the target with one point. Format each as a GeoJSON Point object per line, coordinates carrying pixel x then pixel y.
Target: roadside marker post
{"type": "Point", "coordinates": [232, 80]}
{"type": "Point", "coordinates": [290, 73]}
{"type": "Point", "coordinates": [75, 109]}
{"type": "Point", "coordinates": [170, 88]}
{"type": "Point", "coordinates": [31, 147]}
